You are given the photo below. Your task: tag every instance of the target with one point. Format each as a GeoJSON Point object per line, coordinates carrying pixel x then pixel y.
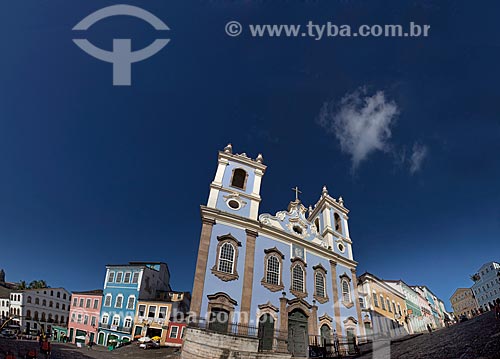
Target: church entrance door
{"type": "Point", "coordinates": [297, 334]}
{"type": "Point", "coordinates": [266, 332]}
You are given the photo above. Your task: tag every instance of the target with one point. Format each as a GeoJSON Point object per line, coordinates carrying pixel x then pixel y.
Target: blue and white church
{"type": "Point", "coordinates": [292, 272]}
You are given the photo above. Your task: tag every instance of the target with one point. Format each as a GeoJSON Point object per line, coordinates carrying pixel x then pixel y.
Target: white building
{"type": "Point", "coordinates": [486, 286]}
{"type": "Point", "coordinates": [37, 309]}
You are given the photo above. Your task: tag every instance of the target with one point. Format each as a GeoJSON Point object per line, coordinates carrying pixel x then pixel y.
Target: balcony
{"type": "Point", "coordinates": [104, 326]}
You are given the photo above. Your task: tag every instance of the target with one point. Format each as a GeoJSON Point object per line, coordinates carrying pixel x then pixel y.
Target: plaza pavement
{"type": "Point", "coordinates": [70, 351]}
{"type": "Point", "coordinates": [478, 338]}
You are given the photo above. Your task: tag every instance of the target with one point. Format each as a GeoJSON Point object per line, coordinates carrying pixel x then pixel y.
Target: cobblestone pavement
{"type": "Point", "coordinates": [70, 351]}
{"type": "Point", "coordinates": [478, 338]}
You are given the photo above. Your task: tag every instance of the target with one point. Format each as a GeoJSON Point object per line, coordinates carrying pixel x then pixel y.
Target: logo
{"type": "Point", "coordinates": [122, 57]}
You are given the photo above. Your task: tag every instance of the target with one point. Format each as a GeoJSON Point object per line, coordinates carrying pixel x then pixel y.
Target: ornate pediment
{"type": "Point", "coordinates": [294, 222]}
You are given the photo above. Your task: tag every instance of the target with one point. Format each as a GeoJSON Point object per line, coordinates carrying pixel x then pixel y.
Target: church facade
{"type": "Point", "coordinates": [291, 272]}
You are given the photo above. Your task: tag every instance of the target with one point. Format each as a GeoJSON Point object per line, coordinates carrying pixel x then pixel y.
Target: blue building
{"type": "Point", "coordinates": [293, 271]}
{"type": "Point", "coordinates": [123, 287]}
{"type": "Point", "coordinates": [486, 286]}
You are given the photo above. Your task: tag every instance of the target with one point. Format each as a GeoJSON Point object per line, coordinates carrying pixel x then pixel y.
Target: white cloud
{"type": "Point", "coordinates": [361, 123]}
{"type": "Point", "coordinates": [417, 157]}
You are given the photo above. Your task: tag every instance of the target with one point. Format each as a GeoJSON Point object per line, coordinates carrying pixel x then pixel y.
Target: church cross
{"type": "Point", "coordinates": [296, 190]}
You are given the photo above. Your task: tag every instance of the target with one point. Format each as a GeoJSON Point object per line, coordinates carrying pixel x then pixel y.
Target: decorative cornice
{"type": "Point", "coordinates": [269, 306]}
{"type": "Point", "coordinates": [321, 300]}
{"type": "Point", "coordinates": [298, 259]}
{"type": "Point", "coordinates": [222, 297]}
{"type": "Point", "coordinates": [325, 317]}
{"type": "Point", "coordinates": [243, 159]}
{"type": "Point", "coordinates": [208, 221]}
{"type": "Point", "coordinates": [352, 319]}
{"type": "Point", "coordinates": [320, 267]}
{"type": "Point", "coordinates": [252, 233]}
{"type": "Point", "coordinates": [299, 301]}
{"type": "Point", "coordinates": [229, 237]}
{"type": "Point", "coordinates": [226, 277]}
{"type": "Point", "coordinates": [272, 287]}
{"type": "Point", "coordinates": [298, 294]}
{"type": "Point", "coordinates": [271, 232]}
{"type": "Point", "coordinates": [345, 276]}
{"type": "Point", "coordinates": [274, 250]}
{"type": "Point", "coordinates": [235, 191]}
{"type": "Point", "coordinates": [348, 304]}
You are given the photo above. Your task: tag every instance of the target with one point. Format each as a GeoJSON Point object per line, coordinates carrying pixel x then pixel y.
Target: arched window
{"type": "Point", "coordinates": [43, 317]}
{"type": "Point", "coordinates": [226, 261]}
{"type": "Point", "coordinates": [50, 317]}
{"type": "Point", "coordinates": [51, 304]}
{"type": "Point", "coordinates": [56, 318]}
{"type": "Point", "coordinates": [28, 314]}
{"type": "Point", "coordinates": [131, 302]}
{"type": "Point", "coordinates": [239, 178]}
{"type": "Point", "coordinates": [37, 301]}
{"type": "Point", "coordinates": [36, 315]}
{"type": "Point", "coordinates": [226, 258]}
{"type": "Point", "coordinates": [57, 305]}
{"type": "Point", "coordinates": [116, 320]}
{"type": "Point", "coordinates": [128, 322]}
{"type": "Point", "coordinates": [273, 270]}
{"type": "Point", "coordinates": [62, 318]}
{"type": "Point", "coordinates": [338, 224]}
{"type": "Point", "coordinates": [346, 291]}
{"type": "Point", "coordinates": [105, 319]}
{"type": "Point", "coordinates": [44, 303]}
{"type": "Point", "coordinates": [119, 301]}
{"type": "Point", "coordinates": [316, 224]}
{"type": "Point", "coordinates": [64, 296]}
{"type": "Point", "coordinates": [320, 290]}
{"type": "Point", "coordinates": [28, 300]}
{"type": "Point", "coordinates": [298, 278]}
{"type": "Point", "coordinates": [64, 306]}
{"type": "Point", "coordinates": [320, 284]}
{"type": "Point", "coordinates": [107, 300]}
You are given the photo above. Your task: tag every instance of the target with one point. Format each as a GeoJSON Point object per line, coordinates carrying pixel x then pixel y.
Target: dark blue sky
{"type": "Point", "coordinates": [94, 174]}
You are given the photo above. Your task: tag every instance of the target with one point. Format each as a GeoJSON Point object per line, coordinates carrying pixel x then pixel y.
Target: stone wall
{"type": "Point", "coordinates": [201, 344]}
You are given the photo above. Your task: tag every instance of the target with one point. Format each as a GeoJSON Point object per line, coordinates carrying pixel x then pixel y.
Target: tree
{"type": "Point", "coordinates": [22, 285]}
{"type": "Point", "coordinates": [38, 284]}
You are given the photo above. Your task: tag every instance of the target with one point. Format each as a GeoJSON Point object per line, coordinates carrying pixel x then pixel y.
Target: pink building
{"type": "Point", "coordinates": [84, 316]}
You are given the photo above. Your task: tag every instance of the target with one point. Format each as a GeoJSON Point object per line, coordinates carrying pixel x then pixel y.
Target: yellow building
{"type": "Point", "coordinates": [463, 303]}
{"type": "Point", "coordinates": [152, 319]}
{"type": "Point", "coordinates": [384, 307]}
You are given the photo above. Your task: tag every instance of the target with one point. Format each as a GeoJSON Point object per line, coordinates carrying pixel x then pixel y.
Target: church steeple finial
{"type": "Point", "coordinates": [297, 191]}
{"type": "Point", "coordinates": [324, 192]}
{"type": "Point", "coordinates": [228, 148]}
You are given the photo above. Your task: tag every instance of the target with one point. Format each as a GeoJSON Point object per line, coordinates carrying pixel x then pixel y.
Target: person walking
{"type": "Point", "coordinates": [429, 328]}
{"type": "Point", "coordinates": [497, 309]}
{"type": "Point", "coordinates": [45, 348]}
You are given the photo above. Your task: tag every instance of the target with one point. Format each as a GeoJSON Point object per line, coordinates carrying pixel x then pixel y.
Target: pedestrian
{"type": "Point", "coordinates": [89, 345]}
{"type": "Point", "coordinates": [429, 328]}
{"type": "Point", "coordinates": [497, 309]}
{"type": "Point", "coordinates": [45, 348]}
{"type": "Point", "coordinates": [31, 354]}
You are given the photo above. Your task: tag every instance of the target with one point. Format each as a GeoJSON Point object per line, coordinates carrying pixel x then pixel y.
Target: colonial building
{"type": "Point", "coordinates": [433, 303]}
{"type": "Point", "coordinates": [293, 271]}
{"type": "Point", "coordinates": [37, 310]}
{"type": "Point", "coordinates": [84, 316]}
{"type": "Point", "coordinates": [487, 285]}
{"type": "Point", "coordinates": [124, 285]}
{"type": "Point", "coordinates": [416, 306]}
{"type": "Point", "coordinates": [384, 306]}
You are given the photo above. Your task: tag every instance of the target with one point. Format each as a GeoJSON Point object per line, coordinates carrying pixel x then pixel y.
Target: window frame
{"type": "Point", "coordinates": [320, 271]}
{"type": "Point", "coordinates": [245, 180]}
{"type": "Point", "coordinates": [224, 276]}
{"type": "Point", "coordinates": [298, 262]}
{"type": "Point", "coordinates": [273, 253]}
